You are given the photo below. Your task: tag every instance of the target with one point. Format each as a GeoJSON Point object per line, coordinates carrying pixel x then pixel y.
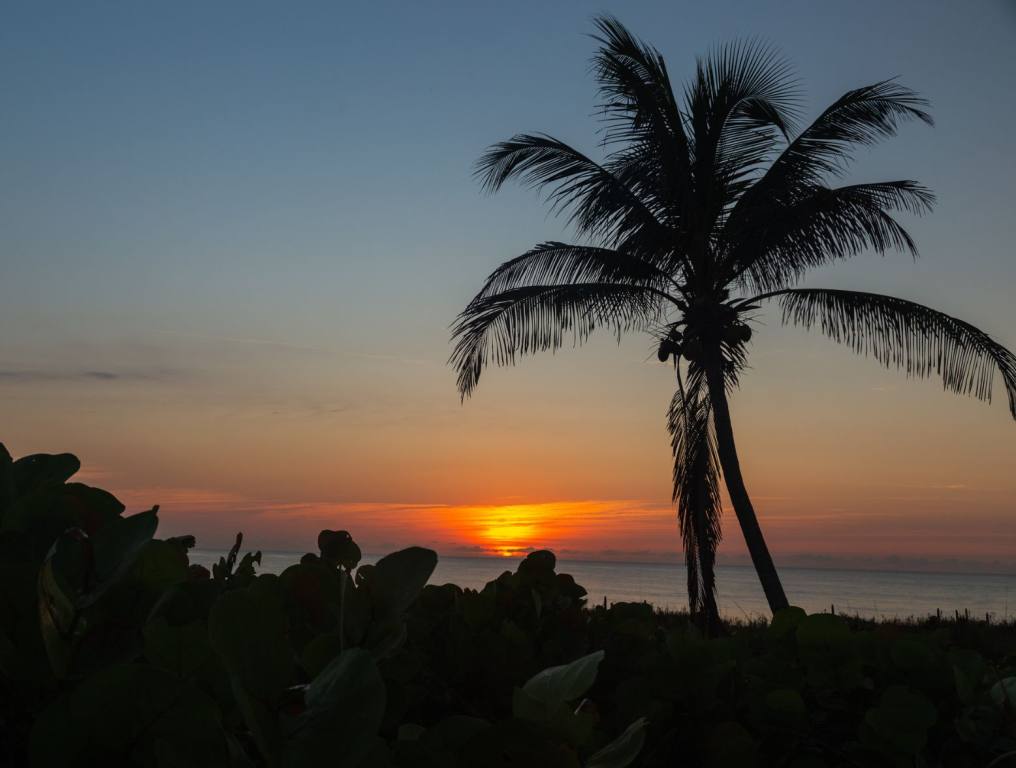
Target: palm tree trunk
{"type": "Point", "coordinates": [725, 447]}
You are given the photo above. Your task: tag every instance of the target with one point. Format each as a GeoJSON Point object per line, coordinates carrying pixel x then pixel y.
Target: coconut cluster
{"type": "Point", "coordinates": [704, 323]}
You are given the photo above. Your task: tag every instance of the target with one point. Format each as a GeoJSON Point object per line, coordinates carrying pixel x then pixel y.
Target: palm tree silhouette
{"type": "Point", "coordinates": [703, 210]}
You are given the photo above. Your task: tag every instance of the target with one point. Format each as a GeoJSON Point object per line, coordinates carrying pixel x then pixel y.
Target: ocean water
{"type": "Point", "coordinates": [879, 594]}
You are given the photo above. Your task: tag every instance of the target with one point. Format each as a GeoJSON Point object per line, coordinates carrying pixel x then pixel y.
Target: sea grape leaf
{"type": "Point", "coordinates": [7, 488]}
{"type": "Point", "coordinates": [92, 508]}
{"type": "Point", "coordinates": [338, 549]}
{"type": "Point", "coordinates": [385, 634]}
{"type": "Point", "coordinates": [160, 565]}
{"type": "Point", "coordinates": [117, 545]}
{"type": "Point", "coordinates": [344, 708]}
{"type": "Point", "coordinates": [822, 632]}
{"type": "Point", "coordinates": [247, 629]}
{"type": "Point", "coordinates": [556, 685]}
{"type": "Point", "coordinates": [786, 620]}
{"type": "Point", "coordinates": [398, 578]}
{"type": "Point", "coordinates": [319, 652]}
{"type": "Point", "coordinates": [623, 750]}
{"type": "Point", "coordinates": [1003, 693]}
{"type": "Point", "coordinates": [968, 669]}
{"type": "Point", "coordinates": [41, 469]}
{"type": "Point", "coordinates": [573, 727]}
{"type": "Point", "coordinates": [62, 579]}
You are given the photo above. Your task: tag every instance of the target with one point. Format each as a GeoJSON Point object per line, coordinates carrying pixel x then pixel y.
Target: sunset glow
{"type": "Point", "coordinates": [229, 292]}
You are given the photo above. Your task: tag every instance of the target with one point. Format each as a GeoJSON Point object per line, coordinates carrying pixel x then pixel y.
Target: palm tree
{"type": "Point", "coordinates": [702, 211]}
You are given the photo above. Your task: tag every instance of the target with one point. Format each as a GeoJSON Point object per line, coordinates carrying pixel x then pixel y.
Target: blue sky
{"type": "Point", "coordinates": [242, 229]}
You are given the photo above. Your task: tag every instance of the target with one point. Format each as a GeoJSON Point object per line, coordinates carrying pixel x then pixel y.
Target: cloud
{"type": "Point", "coordinates": [35, 375]}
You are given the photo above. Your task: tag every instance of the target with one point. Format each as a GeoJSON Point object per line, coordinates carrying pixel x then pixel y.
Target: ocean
{"type": "Point", "coordinates": [877, 594]}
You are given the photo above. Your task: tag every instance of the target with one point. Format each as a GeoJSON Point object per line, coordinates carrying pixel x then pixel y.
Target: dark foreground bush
{"type": "Point", "coordinates": [115, 650]}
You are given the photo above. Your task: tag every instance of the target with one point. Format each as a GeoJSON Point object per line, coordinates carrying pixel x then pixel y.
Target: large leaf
{"type": "Point", "coordinates": [623, 750]}
{"type": "Point", "coordinates": [42, 469]}
{"type": "Point", "coordinates": [62, 581]}
{"type": "Point", "coordinates": [345, 704]}
{"type": "Point", "coordinates": [117, 546]}
{"type": "Point", "coordinates": [7, 487]}
{"type": "Point", "coordinates": [398, 578]}
{"type": "Point", "coordinates": [1003, 693]}
{"type": "Point", "coordinates": [247, 629]}
{"type": "Point", "coordinates": [556, 685]}
{"type": "Point", "coordinates": [338, 548]}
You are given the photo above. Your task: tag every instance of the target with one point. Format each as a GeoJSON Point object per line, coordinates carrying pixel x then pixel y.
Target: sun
{"type": "Point", "coordinates": [507, 537]}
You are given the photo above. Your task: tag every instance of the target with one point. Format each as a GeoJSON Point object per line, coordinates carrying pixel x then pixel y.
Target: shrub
{"type": "Point", "coordinates": [115, 649]}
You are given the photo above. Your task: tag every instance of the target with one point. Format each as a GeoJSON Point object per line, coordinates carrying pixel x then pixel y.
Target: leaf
{"type": "Point", "coordinates": [41, 469]}
{"type": "Point", "coordinates": [247, 629]}
{"type": "Point", "coordinates": [117, 545]}
{"type": "Point", "coordinates": [7, 487]}
{"type": "Point", "coordinates": [160, 565]}
{"type": "Point", "coordinates": [62, 579]}
{"type": "Point", "coordinates": [623, 750]}
{"type": "Point", "coordinates": [786, 620]}
{"type": "Point", "coordinates": [822, 633]}
{"type": "Point", "coordinates": [345, 705]}
{"type": "Point", "coordinates": [1003, 693]}
{"type": "Point", "coordinates": [556, 685]}
{"type": "Point", "coordinates": [338, 548]}
{"type": "Point", "coordinates": [398, 578]}
{"type": "Point", "coordinates": [319, 652]}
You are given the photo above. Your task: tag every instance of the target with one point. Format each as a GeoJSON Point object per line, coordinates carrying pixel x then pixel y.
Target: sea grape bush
{"type": "Point", "coordinates": [116, 650]}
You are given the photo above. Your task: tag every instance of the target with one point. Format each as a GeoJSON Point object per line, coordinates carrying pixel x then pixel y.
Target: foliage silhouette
{"type": "Point", "coordinates": [705, 207]}
{"type": "Point", "coordinates": [151, 662]}
{"type": "Point", "coordinates": [115, 649]}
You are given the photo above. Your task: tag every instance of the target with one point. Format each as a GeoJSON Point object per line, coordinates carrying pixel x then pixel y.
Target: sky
{"type": "Point", "coordinates": [233, 237]}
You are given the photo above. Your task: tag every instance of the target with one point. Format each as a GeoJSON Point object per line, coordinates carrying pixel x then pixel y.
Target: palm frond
{"type": "Point", "coordinates": [742, 101]}
{"type": "Point", "coordinates": [499, 327]}
{"type": "Point", "coordinates": [596, 201]}
{"type": "Point", "coordinates": [638, 105]}
{"type": "Point", "coordinates": [860, 117]}
{"type": "Point", "coordinates": [773, 245]}
{"type": "Point", "coordinates": [556, 263]}
{"type": "Point", "coordinates": [904, 335]}
{"type": "Point", "coordinates": [754, 94]}
{"type": "Point", "coordinates": [696, 489]}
